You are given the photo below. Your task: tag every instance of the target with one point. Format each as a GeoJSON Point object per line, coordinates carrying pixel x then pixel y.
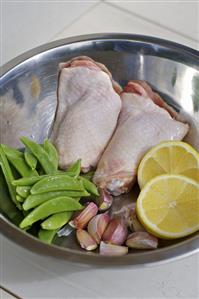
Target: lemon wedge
{"type": "Point", "coordinates": [170, 157]}
{"type": "Point", "coordinates": [168, 206]}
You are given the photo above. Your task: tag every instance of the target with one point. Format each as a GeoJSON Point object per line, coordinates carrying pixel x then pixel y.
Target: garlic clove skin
{"type": "Point", "coordinates": [97, 226]}
{"type": "Point", "coordinates": [116, 232]}
{"type": "Point", "coordinates": [105, 200]}
{"type": "Point", "coordinates": [81, 220]}
{"type": "Point", "coordinates": [108, 249]}
{"type": "Point", "coordinates": [85, 240]}
{"type": "Point", "coordinates": [142, 240]}
{"type": "Point", "coordinates": [134, 224]}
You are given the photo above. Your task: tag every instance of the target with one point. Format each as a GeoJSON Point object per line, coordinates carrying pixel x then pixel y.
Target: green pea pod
{"type": "Point", "coordinates": [7, 206]}
{"type": "Point", "coordinates": [30, 159]}
{"type": "Point", "coordinates": [46, 236]}
{"type": "Point", "coordinates": [19, 198]}
{"type": "Point", "coordinates": [39, 152]}
{"type": "Point", "coordinates": [29, 181]}
{"type": "Point", "coordinates": [34, 200]}
{"type": "Point", "coordinates": [56, 221]}
{"type": "Point", "coordinates": [26, 228]}
{"type": "Point", "coordinates": [52, 152]}
{"type": "Point", "coordinates": [52, 206]}
{"type": "Point", "coordinates": [57, 183]}
{"type": "Point", "coordinates": [89, 175]}
{"type": "Point", "coordinates": [8, 177]}
{"type": "Point", "coordinates": [16, 158]}
{"type": "Point", "coordinates": [89, 186]}
{"type": "Point", "coordinates": [21, 166]}
{"type": "Point", "coordinates": [75, 168]}
{"type": "Point", "coordinates": [11, 151]}
{"type": "Point", "coordinates": [23, 191]}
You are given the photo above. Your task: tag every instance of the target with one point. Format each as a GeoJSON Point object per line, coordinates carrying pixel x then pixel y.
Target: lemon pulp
{"type": "Point", "coordinates": [168, 206]}
{"type": "Point", "coordinates": [171, 157]}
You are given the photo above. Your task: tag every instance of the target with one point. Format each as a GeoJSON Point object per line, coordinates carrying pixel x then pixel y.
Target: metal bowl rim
{"type": "Point", "coordinates": [10, 230]}
{"type": "Point", "coordinates": [98, 36]}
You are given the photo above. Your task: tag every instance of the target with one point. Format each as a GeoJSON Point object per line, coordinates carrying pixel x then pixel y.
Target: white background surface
{"type": "Point", "coordinates": [27, 24]}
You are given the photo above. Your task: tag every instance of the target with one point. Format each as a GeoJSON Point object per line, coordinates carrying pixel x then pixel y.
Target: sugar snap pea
{"type": "Point", "coordinates": [75, 168]}
{"type": "Point", "coordinates": [30, 159]}
{"type": "Point", "coordinates": [52, 206]}
{"type": "Point", "coordinates": [19, 198]}
{"type": "Point", "coordinates": [21, 166]}
{"type": "Point", "coordinates": [7, 206]}
{"type": "Point", "coordinates": [89, 175]}
{"type": "Point", "coordinates": [8, 177]}
{"type": "Point", "coordinates": [16, 158]}
{"type": "Point", "coordinates": [52, 152]}
{"type": "Point", "coordinates": [11, 151]}
{"type": "Point", "coordinates": [57, 183]}
{"type": "Point", "coordinates": [39, 152]}
{"type": "Point", "coordinates": [29, 181]}
{"type": "Point", "coordinates": [34, 200]}
{"type": "Point", "coordinates": [23, 191]}
{"type": "Point", "coordinates": [46, 236]}
{"type": "Point", "coordinates": [56, 220]}
{"type": "Point", "coordinates": [89, 186]}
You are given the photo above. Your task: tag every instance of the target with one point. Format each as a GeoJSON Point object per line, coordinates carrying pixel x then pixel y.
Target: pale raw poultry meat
{"type": "Point", "coordinates": [144, 121]}
{"type": "Point", "coordinates": [87, 112]}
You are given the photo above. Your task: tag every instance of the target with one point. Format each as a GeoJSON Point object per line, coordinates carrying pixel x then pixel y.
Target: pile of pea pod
{"type": "Point", "coordinates": [34, 191]}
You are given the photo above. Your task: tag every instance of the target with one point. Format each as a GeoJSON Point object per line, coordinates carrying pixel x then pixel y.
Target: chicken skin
{"type": "Point", "coordinates": [87, 112]}
{"type": "Point", "coordinates": [144, 121]}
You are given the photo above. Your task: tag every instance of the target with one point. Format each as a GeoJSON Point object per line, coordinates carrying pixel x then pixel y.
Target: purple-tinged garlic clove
{"type": "Point", "coordinates": [97, 226]}
{"type": "Point", "coordinates": [134, 224]}
{"type": "Point", "coordinates": [85, 240]}
{"type": "Point", "coordinates": [112, 250]}
{"type": "Point", "coordinates": [105, 200]}
{"type": "Point", "coordinates": [81, 220]}
{"type": "Point", "coordinates": [142, 240]}
{"type": "Point", "coordinates": [116, 232]}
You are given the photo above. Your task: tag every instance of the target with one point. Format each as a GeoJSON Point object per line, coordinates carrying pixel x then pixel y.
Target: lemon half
{"type": "Point", "coordinates": [170, 157]}
{"type": "Point", "coordinates": [168, 206]}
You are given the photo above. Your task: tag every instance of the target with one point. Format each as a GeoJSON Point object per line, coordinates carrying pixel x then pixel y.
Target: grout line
{"type": "Point", "coordinates": [112, 4]}
{"type": "Point", "coordinates": [97, 3]}
{"type": "Point", "coordinates": [10, 293]}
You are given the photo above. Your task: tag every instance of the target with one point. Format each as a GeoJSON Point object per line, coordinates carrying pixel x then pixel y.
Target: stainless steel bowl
{"type": "Point", "coordinates": [28, 90]}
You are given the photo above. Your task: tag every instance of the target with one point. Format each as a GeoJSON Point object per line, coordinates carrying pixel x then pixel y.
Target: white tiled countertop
{"type": "Point", "coordinates": [32, 276]}
{"type": "Point", "coordinates": [27, 24]}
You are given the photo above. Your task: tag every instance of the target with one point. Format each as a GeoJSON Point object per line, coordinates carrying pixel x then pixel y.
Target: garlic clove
{"type": "Point", "coordinates": [142, 240]}
{"type": "Point", "coordinates": [81, 220]}
{"type": "Point", "coordinates": [85, 240]}
{"type": "Point", "coordinates": [134, 224]}
{"type": "Point", "coordinates": [105, 200]}
{"type": "Point", "coordinates": [97, 226]}
{"type": "Point", "coordinates": [112, 250]}
{"type": "Point", "coordinates": [116, 232]}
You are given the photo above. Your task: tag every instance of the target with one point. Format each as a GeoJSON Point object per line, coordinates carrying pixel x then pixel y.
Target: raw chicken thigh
{"type": "Point", "coordinates": [145, 120]}
{"type": "Point", "coordinates": [87, 112]}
